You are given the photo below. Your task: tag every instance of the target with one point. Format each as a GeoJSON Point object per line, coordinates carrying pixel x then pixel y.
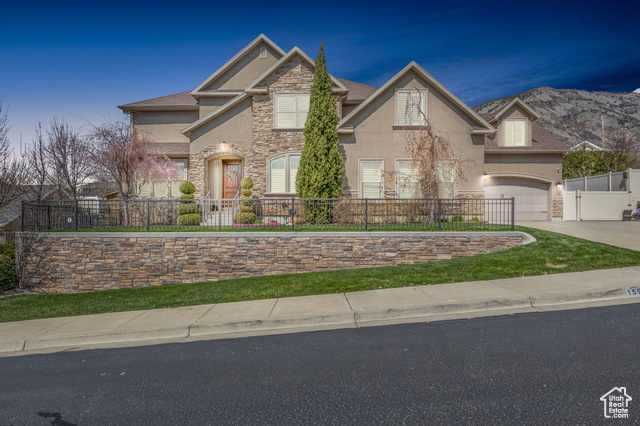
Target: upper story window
{"type": "Point", "coordinates": [282, 171]}
{"type": "Point", "coordinates": [514, 131]}
{"type": "Point", "coordinates": [290, 111]}
{"type": "Point", "coordinates": [411, 107]}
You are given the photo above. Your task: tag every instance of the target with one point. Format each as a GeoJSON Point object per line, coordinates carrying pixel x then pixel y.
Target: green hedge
{"type": "Point", "coordinates": [187, 209]}
{"type": "Point", "coordinates": [8, 277]}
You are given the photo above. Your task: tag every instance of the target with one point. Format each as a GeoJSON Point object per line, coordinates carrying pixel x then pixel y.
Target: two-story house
{"type": "Point", "coordinates": [246, 119]}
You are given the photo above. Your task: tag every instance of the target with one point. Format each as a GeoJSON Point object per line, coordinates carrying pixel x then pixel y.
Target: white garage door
{"type": "Point", "coordinates": [531, 197]}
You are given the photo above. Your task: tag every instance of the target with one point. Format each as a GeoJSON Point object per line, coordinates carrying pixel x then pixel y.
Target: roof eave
{"type": "Point", "coordinates": [193, 126]}
{"type": "Point", "coordinates": [130, 108]}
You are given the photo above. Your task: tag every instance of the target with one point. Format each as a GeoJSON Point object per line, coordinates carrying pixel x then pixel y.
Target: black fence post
{"type": "Point", "coordinates": [293, 212]}
{"type": "Point", "coordinates": [366, 214]}
{"type": "Point", "coordinates": [439, 215]}
{"type": "Point", "coordinates": [22, 222]}
{"type": "Point", "coordinates": [513, 213]}
{"type": "Point", "coordinates": [147, 215]}
{"type": "Point", "coordinates": [75, 214]}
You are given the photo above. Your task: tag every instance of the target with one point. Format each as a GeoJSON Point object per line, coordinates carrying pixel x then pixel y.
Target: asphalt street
{"type": "Point", "coordinates": [538, 368]}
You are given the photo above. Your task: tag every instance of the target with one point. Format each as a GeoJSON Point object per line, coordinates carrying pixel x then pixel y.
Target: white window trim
{"type": "Point", "coordinates": [365, 160]}
{"type": "Point", "coordinates": [423, 100]}
{"type": "Point", "coordinates": [287, 170]}
{"type": "Point", "coordinates": [398, 161]}
{"type": "Point", "coordinates": [524, 131]}
{"type": "Point", "coordinates": [297, 112]}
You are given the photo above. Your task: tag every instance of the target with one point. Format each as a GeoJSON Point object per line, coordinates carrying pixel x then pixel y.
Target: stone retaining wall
{"type": "Point", "coordinates": [68, 263]}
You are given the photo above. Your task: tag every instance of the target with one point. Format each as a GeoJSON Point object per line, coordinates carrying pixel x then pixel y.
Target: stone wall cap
{"type": "Point", "coordinates": [526, 238]}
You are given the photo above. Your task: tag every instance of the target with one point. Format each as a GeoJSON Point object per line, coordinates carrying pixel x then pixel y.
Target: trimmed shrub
{"type": "Point", "coordinates": [8, 277]}
{"type": "Point", "coordinates": [245, 215]}
{"type": "Point", "coordinates": [189, 219]}
{"type": "Point", "coordinates": [246, 183]}
{"type": "Point", "coordinates": [187, 209]}
{"type": "Point", "coordinates": [457, 218]}
{"type": "Point", "coordinates": [187, 187]}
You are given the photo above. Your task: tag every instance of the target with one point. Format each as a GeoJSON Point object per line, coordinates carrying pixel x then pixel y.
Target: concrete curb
{"type": "Point", "coordinates": [303, 323]}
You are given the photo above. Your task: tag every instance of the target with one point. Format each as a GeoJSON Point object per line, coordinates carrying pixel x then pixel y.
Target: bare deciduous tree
{"type": "Point", "coordinates": [69, 157]}
{"type": "Point", "coordinates": [13, 174]}
{"type": "Point", "coordinates": [38, 165]}
{"type": "Point", "coordinates": [436, 168]}
{"type": "Point", "coordinates": [125, 158]}
{"type": "Point", "coordinates": [625, 141]}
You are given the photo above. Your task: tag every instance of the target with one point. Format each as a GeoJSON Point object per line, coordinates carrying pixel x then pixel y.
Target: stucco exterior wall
{"type": "Point", "coordinates": [243, 72]}
{"type": "Point", "coordinates": [376, 136]}
{"type": "Point", "coordinates": [548, 166]}
{"type": "Point", "coordinates": [161, 126]}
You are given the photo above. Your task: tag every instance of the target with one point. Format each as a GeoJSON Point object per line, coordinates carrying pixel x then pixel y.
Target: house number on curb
{"type": "Point", "coordinates": [633, 292]}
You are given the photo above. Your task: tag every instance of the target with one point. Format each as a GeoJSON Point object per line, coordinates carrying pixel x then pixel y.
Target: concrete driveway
{"type": "Point", "coordinates": [620, 234]}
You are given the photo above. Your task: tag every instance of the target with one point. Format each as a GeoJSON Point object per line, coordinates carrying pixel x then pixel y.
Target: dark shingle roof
{"type": "Point", "coordinates": [183, 98]}
{"type": "Point", "coordinates": [357, 91]}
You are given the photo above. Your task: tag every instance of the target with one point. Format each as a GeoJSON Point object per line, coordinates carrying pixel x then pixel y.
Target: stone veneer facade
{"type": "Point", "coordinates": [558, 206]}
{"type": "Point", "coordinates": [63, 263]}
{"type": "Point", "coordinates": [266, 140]}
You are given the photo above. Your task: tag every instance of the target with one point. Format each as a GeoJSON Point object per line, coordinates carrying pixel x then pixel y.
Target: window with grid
{"type": "Point", "coordinates": [514, 131]}
{"type": "Point", "coordinates": [447, 179]}
{"type": "Point", "coordinates": [291, 110]}
{"type": "Point", "coordinates": [283, 170]}
{"type": "Point", "coordinates": [411, 107]}
{"type": "Point", "coordinates": [407, 179]}
{"type": "Point", "coordinates": [371, 179]}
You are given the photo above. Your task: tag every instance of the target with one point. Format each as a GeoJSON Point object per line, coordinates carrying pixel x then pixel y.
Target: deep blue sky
{"type": "Point", "coordinates": [79, 60]}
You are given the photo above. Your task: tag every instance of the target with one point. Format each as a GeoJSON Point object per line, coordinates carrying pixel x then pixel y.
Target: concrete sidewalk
{"type": "Point", "coordinates": [331, 311]}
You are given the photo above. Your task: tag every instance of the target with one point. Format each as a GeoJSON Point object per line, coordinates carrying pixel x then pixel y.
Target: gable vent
{"type": "Point", "coordinates": [263, 53]}
{"type": "Point", "coordinates": [295, 64]}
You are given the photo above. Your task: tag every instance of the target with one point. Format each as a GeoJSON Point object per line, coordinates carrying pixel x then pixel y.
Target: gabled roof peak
{"type": "Point", "coordinates": [519, 102]}
{"type": "Point", "coordinates": [294, 51]}
{"type": "Point", "coordinates": [260, 39]}
{"type": "Point", "coordinates": [484, 126]}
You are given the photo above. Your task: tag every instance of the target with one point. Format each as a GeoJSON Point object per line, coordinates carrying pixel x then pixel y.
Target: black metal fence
{"type": "Point", "coordinates": [270, 214]}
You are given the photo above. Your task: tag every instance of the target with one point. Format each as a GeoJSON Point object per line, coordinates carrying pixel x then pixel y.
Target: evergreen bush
{"type": "Point", "coordinates": [188, 211]}
{"type": "Point", "coordinates": [245, 215]}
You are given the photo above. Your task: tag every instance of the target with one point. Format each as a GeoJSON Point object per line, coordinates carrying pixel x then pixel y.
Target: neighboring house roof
{"type": "Point", "coordinates": [542, 141]}
{"type": "Point", "coordinates": [358, 92]}
{"type": "Point", "coordinates": [96, 189]}
{"type": "Point", "coordinates": [587, 146]}
{"type": "Point", "coordinates": [13, 210]}
{"type": "Point", "coordinates": [182, 100]}
{"type": "Point", "coordinates": [220, 71]}
{"type": "Point", "coordinates": [481, 127]}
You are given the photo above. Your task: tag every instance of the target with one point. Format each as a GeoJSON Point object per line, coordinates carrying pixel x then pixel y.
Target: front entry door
{"type": "Point", "coordinates": [231, 177]}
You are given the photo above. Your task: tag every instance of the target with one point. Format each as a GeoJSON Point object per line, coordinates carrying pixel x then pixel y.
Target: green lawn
{"type": "Point", "coordinates": [552, 253]}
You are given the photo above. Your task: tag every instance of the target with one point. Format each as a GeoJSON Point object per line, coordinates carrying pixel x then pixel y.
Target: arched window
{"type": "Point", "coordinates": [281, 173]}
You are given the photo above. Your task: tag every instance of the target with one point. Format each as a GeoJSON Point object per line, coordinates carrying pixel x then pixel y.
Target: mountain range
{"type": "Point", "coordinates": [574, 116]}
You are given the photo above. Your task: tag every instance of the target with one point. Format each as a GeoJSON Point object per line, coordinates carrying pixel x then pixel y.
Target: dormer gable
{"type": "Point", "coordinates": [514, 124]}
{"type": "Point", "coordinates": [232, 78]}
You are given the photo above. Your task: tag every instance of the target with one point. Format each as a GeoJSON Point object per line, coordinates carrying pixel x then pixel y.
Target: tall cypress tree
{"type": "Point", "coordinates": [321, 168]}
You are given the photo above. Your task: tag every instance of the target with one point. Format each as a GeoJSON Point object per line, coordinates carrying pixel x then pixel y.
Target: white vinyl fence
{"type": "Point", "coordinates": [602, 197]}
